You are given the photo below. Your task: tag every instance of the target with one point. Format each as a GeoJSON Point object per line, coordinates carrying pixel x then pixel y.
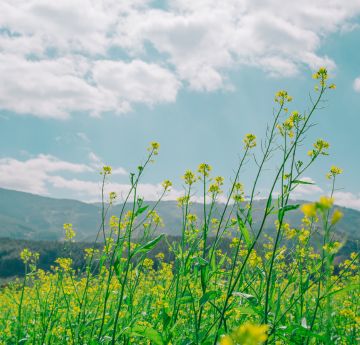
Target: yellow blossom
{"type": "Point", "coordinates": [154, 147]}
{"type": "Point", "coordinates": [337, 215]}
{"type": "Point", "coordinates": [106, 170]}
{"type": "Point", "coordinates": [249, 141]}
{"type": "Point", "coordinates": [334, 170]}
{"type": "Point", "coordinates": [69, 231]}
{"type": "Point", "coordinates": [309, 210]}
{"type": "Point", "coordinates": [325, 202]}
{"type": "Point", "coordinates": [64, 263]}
{"type": "Point", "coordinates": [247, 334]}
{"type": "Point", "coordinates": [166, 184]}
{"type": "Point", "coordinates": [189, 177]}
{"type": "Point", "coordinates": [204, 169]}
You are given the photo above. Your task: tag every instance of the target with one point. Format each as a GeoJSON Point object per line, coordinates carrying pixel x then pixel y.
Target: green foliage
{"type": "Point", "coordinates": [254, 289]}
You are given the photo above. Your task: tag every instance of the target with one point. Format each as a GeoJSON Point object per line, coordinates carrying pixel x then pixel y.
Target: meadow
{"type": "Point", "coordinates": [281, 294]}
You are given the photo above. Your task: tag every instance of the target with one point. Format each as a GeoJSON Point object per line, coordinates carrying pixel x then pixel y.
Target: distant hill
{"type": "Point", "coordinates": [32, 217]}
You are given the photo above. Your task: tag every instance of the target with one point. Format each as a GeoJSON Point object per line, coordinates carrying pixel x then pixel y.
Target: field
{"type": "Point", "coordinates": [286, 292]}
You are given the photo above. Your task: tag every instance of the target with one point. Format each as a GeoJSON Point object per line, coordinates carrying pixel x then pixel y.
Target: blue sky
{"type": "Point", "coordinates": [89, 83]}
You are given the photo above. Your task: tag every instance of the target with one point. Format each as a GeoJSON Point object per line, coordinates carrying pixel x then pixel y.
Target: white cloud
{"type": "Point", "coordinates": [36, 174]}
{"type": "Point", "coordinates": [32, 175]}
{"type": "Point", "coordinates": [57, 57]}
{"type": "Point", "coordinates": [136, 81]}
{"type": "Point", "coordinates": [304, 191]}
{"type": "Point", "coordinates": [55, 88]}
{"type": "Point", "coordinates": [357, 84]}
{"type": "Point", "coordinates": [91, 191]}
{"type": "Point", "coordinates": [347, 199]}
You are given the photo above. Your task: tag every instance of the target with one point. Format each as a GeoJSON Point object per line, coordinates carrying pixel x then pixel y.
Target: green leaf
{"type": "Point", "coordinates": [268, 204]}
{"type": "Point", "coordinates": [186, 299]}
{"type": "Point", "coordinates": [213, 263]}
{"type": "Point", "coordinates": [244, 231]}
{"type": "Point", "coordinates": [149, 333]}
{"type": "Point", "coordinates": [301, 182]}
{"type": "Point", "coordinates": [166, 318]}
{"type": "Point", "coordinates": [249, 216]}
{"type": "Point", "coordinates": [210, 295]}
{"type": "Point", "coordinates": [287, 208]}
{"type": "Point", "coordinates": [141, 210]}
{"type": "Point", "coordinates": [148, 246]}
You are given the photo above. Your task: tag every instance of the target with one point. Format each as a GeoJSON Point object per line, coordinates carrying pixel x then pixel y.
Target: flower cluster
{"type": "Point", "coordinates": [282, 97]}
{"type": "Point", "coordinates": [189, 177]}
{"type": "Point", "coordinates": [204, 170]}
{"type": "Point", "coordinates": [154, 147]}
{"type": "Point", "coordinates": [321, 147]}
{"type": "Point", "coordinates": [246, 334]}
{"type": "Point", "coordinates": [249, 141]}
{"type": "Point", "coordinates": [69, 231]}
{"type": "Point", "coordinates": [334, 170]}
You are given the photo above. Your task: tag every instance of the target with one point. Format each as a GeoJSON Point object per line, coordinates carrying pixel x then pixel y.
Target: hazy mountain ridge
{"type": "Point", "coordinates": [33, 217]}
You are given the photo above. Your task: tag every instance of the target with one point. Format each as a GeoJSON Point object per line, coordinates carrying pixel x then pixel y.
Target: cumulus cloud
{"type": "Point", "coordinates": [90, 191]}
{"type": "Point", "coordinates": [347, 199]}
{"type": "Point", "coordinates": [55, 88]}
{"type": "Point", "coordinates": [36, 174]}
{"type": "Point", "coordinates": [32, 175]}
{"type": "Point", "coordinates": [304, 191]}
{"type": "Point", "coordinates": [60, 58]}
{"type": "Point", "coordinates": [357, 84]}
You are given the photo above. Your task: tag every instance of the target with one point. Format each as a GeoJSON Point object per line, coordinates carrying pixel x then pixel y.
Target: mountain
{"type": "Point", "coordinates": [33, 217]}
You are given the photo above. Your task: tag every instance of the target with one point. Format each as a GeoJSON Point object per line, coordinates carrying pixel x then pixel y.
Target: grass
{"type": "Point", "coordinates": [287, 295]}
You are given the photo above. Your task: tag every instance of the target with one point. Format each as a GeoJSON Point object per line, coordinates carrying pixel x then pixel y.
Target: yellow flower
{"type": "Point", "coordinates": [333, 247]}
{"type": "Point", "coordinates": [334, 170]}
{"type": "Point", "coordinates": [148, 263]}
{"type": "Point", "coordinates": [28, 256]}
{"type": "Point", "coordinates": [69, 231]}
{"type": "Point", "coordinates": [321, 75]}
{"type": "Point", "coordinates": [282, 96]}
{"type": "Point", "coordinates": [155, 218]}
{"type": "Point", "coordinates": [90, 252]}
{"type": "Point", "coordinates": [246, 334]}
{"type": "Point", "coordinates": [249, 141]}
{"type": "Point", "coordinates": [182, 200]}
{"type": "Point", "coordinates": [204, 169]}
{"type": "Point", "coordinates": [167, 184]}
{"type": "Point", "coordinates": [192, 218]}
{"type": "Point", "coordinates": [214, 188]}
{"type": "Point", "coordinates": [106, 170]}
{"type": "Point", "coordinates": [219, 180]}
{"type": "Point", "coordinates": [326, 202]}
{"type": "Point", "coordinates": [64, 263]}
{"type": "Point", "coordinates": [112, 196]}
{"type": "Point", "coordinates": [226, 340]}
{"type": "Point", "coordinates": [309, 210]}
{"type": "Point", "coordinates": [189, 177]}
{"type": "Point", "coordinates": [321, 146]}
{"type": "Point", "coordinates": [337, 215]}
{"type": "Point", "coordinates": [154, 147]}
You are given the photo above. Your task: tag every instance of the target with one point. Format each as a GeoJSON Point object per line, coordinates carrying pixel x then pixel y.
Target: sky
{"type": "Point", "coordinates": [86, 83]}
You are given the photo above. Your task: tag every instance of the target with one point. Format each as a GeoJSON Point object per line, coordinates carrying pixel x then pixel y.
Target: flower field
{"type": "Point", "coordinates": [282, 291]}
